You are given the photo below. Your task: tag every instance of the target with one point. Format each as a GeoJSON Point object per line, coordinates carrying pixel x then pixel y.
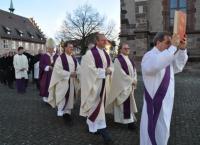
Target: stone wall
{"type": "Point", "coordinates": [197, 15]}
{"type": "Point", "coordinates": [141, 15]}
{"type": "Point", "coordinates": [139, 33]}
{"type": "Point", "coordinates": [155, 17]}
{"type": "Point", "coordinates": [194, 45]}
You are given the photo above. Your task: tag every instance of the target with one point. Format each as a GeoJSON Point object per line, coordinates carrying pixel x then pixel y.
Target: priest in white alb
{"type": "Point", "coordinates": [159, 65]}
{"type": "Point", "coordinates": [121, 101]}
{"type": "Point", "coordinates": [62, 85]}
{"type": "Point", "coordinates": [95, 80]}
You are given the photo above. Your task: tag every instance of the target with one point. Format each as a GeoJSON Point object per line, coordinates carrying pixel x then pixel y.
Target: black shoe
{"type": "Point", "coordinates": [67, 118]}
{"type": "Point", "coordinates": [106, 136]}
{"type": "Point", "coordinates": [11, 86]}
{"type": "Point", "coordinates": [132, 126]}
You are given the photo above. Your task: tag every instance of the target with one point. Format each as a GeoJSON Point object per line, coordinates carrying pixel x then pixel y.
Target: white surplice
{"type": "Point", "coordinates": [91, 84]}
{"type": "Point", "coordinates": [20, 62]}
{"type": "Point", "coordinates": [59, 85]}
{"type": "Point", "coordinates": [121, 89]}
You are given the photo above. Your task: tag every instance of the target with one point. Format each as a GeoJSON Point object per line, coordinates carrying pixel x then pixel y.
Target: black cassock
{"type": "Point", "coordinates": [10, 71]}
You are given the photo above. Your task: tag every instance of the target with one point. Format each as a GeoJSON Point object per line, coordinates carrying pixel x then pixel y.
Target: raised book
{"type": "Point", "coordinates": [180, 23]}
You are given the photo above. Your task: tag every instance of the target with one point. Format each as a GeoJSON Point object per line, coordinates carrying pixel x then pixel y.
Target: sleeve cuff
{"type": "Point", "coordinates": [101, 73]}
{"type": "Point", "coordinates": [172, 49]}
{"type": "Point", "coordinates": [183, 50]}
{"type": "Point", "coordinates": [46, 68]}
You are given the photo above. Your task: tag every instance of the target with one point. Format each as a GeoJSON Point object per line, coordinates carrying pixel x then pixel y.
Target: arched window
{"type": "Point", "coordinates": [176, 5]}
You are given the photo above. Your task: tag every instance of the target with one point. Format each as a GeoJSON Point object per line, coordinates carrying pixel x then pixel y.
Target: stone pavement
{"type": "Point", "coordinates": [26, 120]}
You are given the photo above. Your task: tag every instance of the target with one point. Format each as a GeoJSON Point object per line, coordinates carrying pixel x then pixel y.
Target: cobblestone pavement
{"type": "Point", "coordinates": [26, 120]}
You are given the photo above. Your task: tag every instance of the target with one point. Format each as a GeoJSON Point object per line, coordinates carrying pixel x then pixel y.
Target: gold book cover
{"type": "Point", "coordinates": [180, 23]}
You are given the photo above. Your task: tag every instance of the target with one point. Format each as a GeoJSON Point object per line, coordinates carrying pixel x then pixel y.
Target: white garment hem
{"type": "Point", "coordinates": [94, 126]}
{"type": "Point", "coordinates": [61, 113]}
{"type": "Point", "coordinates": [45, 99]}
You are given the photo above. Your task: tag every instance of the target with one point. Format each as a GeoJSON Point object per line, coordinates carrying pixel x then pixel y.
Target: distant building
{"type": "Point", "coordinates": [18, 31]}
{"type": "Point", "coordinates": [141, 19]}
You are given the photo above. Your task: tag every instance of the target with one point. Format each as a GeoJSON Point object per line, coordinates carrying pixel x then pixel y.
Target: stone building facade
{"type": "Point", "coordinates": [18, 31]}
{"type": "Point", "coordinates": [141, 19]}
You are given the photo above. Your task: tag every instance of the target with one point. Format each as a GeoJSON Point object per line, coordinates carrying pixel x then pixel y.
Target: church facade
{"type": "Point", "coordinates": [141, 19]}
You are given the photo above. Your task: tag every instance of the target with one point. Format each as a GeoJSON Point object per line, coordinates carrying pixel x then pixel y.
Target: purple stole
{"type": "Point", "coordinates": [126, 104]}
{"type": "Point", "coordinates": [65, 65]}
{"type": "Point", "coordinates": [54, 59]}
{"type": "Point", "coordinates": [44, 61]}
{"type": "Point", "coordinates": [48, 62]}
{"type": "Point", "coordinates": [154, 105]}
{"type": "Point", "coordinates": [99, 64]}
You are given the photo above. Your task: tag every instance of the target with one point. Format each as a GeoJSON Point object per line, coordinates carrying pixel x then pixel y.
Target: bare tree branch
{"type": "Point", "coordinates": [82, 23]}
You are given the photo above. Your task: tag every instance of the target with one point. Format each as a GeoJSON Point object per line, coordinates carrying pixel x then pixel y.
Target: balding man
{"type": "Point", "coordinates": [95, 75]}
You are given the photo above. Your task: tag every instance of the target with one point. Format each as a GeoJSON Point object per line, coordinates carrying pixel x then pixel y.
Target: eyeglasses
{"type": "Point", "coordinates": [126, 48]}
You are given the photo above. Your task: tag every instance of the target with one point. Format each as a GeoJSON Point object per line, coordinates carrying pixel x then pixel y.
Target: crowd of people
{"type": "Point", "coordinates": [8, 71]}
{"type": "Point", "coordinates": [105, 86]}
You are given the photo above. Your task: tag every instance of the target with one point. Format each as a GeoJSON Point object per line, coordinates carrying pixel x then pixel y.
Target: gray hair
{"type": "Point", "coordinates": [66, 44]}
{"type": "Point", "coordinates": [98, 36]}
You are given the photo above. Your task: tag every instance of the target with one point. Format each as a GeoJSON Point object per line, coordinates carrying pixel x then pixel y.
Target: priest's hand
{"type": "Point", "coordinates": [175, 40]}
{"type": "Point", "coordinates": [50, 68]}
{"type": "Point", "coordinates": [183, 43]}
{"type": "Point", "coordinates": [108, 71]}
{"type": "Point", "coordinates": [134, 84]}
{"type": "Point", "coordinates": [73, 75]}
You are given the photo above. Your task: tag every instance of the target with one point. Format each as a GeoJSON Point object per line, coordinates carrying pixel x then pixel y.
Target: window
{"type": "Point", "coordinates": [32, 46]}
{"type": "Point", "coordinates": [38, 46]}
{"type": "Point", "coordinates": [42, 46]}
{"type": "Point", "coordinates": [7, 30]}
{"type": "Point", "coordinates": [140, 9]}
{"type": "Point", "coordinates": [13, 45]}
{"type": "Point", "coordinates": [26, 45]}
{"type": "Point", "coordinates": [176, 5]}
{"type": "Point", "coordinates": [20, 32]}
{"type": "Point", "coordinates": [30, 34]}
{"type": "Point", "coordinates": [5, 43]}
{"type": "Point", "coordinates": [20, 44]}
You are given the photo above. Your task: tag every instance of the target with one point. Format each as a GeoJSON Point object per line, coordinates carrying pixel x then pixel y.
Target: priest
{"type": "Point", "coordinates": [121, 101]}
{"type": "Point", "coordinates": [159, 65]}
{"type": "Point", "coordinates": [95, 80]}
{"type": "Point", "coordinates": [46, 64]}
{"type": "Point", "coordinates": [63, 81]}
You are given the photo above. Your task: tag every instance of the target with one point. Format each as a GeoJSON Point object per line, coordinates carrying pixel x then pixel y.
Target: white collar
{"type": "Point", "coordinates": [126, 56]}
{"type": "Point", "coordinates": [101, 49]}
{"type": "Point", "coordinates": [67, 54]}
{"type": "Point", "coordinates": [156, 49]}
{"type": "Point", "coordinates": [50, 54]}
